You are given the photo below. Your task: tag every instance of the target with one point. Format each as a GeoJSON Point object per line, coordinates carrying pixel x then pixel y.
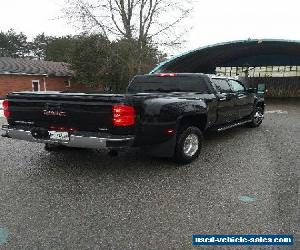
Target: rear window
{"type": "Point", "coordinates": [144, 84]}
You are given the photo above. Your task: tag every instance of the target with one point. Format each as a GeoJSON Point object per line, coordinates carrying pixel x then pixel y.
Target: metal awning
{"type": "Point", "coordinates": [248, 53]}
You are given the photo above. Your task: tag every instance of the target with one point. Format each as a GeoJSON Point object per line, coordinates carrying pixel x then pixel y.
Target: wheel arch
{"type": "Point", "coordinates": [196, 120]}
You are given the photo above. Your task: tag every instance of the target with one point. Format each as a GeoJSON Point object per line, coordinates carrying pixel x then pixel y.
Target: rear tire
{"type": "Point", "coordinates": [188, 145]}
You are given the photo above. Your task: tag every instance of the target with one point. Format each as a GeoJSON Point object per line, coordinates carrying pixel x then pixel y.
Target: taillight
{"type": "Point", "coordinates": [123, 115]}
{"type": "Point", "coordinates": [6, 111]}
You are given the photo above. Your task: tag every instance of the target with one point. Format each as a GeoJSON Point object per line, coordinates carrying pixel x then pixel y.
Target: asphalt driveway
{"type": "Point", "coordinates": [246, 181]}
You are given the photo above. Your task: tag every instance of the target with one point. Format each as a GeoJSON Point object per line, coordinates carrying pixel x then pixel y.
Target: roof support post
{"type": "Point", "coordinates": [45, 83]}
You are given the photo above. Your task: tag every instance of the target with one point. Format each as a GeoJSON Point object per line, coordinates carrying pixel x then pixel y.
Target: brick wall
{"type": "Point", "coordinates": [10, 83]}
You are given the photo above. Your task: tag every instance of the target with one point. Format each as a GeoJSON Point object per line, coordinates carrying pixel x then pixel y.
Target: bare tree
{"type": "Point", "coordinates": [144, 21]}
{"type": "Point", "coordinates": [132, 19]}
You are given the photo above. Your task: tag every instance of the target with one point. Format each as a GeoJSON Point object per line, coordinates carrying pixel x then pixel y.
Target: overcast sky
{"type": "Point", "coordinates": [213, 21]}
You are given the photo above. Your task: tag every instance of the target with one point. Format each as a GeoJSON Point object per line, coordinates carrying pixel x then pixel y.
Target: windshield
{"type": "Point", "coordinates": [148, 83]}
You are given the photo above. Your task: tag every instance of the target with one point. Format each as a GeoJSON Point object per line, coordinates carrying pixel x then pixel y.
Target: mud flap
{"type": "Point", "coordinates": [165, 149]}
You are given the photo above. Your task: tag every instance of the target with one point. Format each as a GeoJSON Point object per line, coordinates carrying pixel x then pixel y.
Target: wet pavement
{"type": "Point", "coordinates": [246, 181]}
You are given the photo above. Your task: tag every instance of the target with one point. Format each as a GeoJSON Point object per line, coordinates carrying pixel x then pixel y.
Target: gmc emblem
{"type": "Point", "coordinates": [53, 109]}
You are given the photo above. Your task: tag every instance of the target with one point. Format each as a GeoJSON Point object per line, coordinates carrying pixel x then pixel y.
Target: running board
{"type": "Point", "coordinates": [233, 125]}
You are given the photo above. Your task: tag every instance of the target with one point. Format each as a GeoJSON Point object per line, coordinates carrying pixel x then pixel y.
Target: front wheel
{"type": "Point", "coordinates": [257, 117]}
{"type": "Point", "coordinates": [189, 144]}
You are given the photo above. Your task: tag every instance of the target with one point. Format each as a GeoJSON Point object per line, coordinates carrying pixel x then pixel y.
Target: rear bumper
{"type": "Point", "coordinates": [77, 139]}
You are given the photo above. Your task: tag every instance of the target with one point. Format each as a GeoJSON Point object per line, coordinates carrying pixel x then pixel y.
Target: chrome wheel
{"type": "Point", "coordinates": [191, 145]}
{"type": "Point", "coordinates": [258, 117]}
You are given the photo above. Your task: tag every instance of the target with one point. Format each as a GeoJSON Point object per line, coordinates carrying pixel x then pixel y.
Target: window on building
{"type": "Point", "coordinates": [36, 85]}
{"type": "Point", "coordinates": [67, 83]}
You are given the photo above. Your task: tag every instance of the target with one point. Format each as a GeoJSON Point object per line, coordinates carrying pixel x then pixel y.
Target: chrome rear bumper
{"type": "Point", "coordinates": [77, 139]}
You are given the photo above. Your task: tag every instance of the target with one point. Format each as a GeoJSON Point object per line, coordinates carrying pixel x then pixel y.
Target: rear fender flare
{"type": "Point", "coordinates": [198, 120]}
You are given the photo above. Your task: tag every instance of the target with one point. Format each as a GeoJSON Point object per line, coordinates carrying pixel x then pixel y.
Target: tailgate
{"type": "Point", "coordinates": [85, 112]}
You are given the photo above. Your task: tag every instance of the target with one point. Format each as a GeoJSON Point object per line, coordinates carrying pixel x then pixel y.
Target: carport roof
{"type": "Point", "coordinates": [264, 52]}
{"type": "Point", "coordinates": [21, 66]}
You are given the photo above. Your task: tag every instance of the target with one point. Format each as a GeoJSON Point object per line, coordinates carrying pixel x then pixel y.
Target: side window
{"type": "Point", "coordinates": [221, 85]}
{"type": "Point", "coordinates": [237, 86]}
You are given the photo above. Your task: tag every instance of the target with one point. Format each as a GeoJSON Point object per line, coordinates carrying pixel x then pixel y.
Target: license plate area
{"type": "Point", "coordinates": [59, 136]}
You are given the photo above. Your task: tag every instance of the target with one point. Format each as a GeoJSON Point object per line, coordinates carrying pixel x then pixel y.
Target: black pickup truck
{"type": "Point", "coordinates": [165, 114]}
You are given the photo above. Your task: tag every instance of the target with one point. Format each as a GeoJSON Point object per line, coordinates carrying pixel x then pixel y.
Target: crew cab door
{"type": "Point", "coordinates": [226, 111]}
{"type": "Point", "coordinates": [244, 100]}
